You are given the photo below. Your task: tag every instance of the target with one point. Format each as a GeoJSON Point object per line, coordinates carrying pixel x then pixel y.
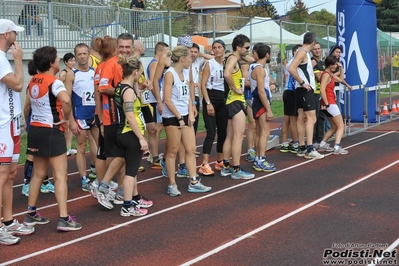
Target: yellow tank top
{"type": "Point", "coordinates": [145, 94]}
{"type": "Point", "coordinates": [94, 61]}
{"type": "Point", "coordinates": [232, 96]}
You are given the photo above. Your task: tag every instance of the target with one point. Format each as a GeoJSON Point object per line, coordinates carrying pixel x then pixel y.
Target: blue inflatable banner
{"type": "Point", "coordinates": [357, 37]}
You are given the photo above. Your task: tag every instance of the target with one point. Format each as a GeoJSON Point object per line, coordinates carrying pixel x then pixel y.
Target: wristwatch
{"type": "Point", "coordinates": [208, 102]}
{"type": "Point", "coordinates": [303, 82]}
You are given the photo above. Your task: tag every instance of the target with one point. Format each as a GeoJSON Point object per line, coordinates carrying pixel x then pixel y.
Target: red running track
{"type": "Point", "coordinates": [284, 218]}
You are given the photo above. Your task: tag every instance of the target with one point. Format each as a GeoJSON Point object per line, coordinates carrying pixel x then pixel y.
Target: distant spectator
{"type": "Point", "coordinates": [30, 16]}
{"type": "Point", "coordinates": [135, 5]}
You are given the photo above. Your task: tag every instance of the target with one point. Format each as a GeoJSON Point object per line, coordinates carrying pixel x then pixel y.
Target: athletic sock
{"type": "Point", "coordinates": [136, 198]}
{"type": "Point", "coordinates": [226, 163]}
{"type": "Point", "coordinates": [127, 204]}
{"type": "Point", "coordinates": [7, 223]}
{"type": "Point", "coordinates": [310, 148]}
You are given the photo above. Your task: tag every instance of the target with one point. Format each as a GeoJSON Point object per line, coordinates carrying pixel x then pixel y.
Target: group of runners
{"type": "Point", "coordinates": [110, 99]}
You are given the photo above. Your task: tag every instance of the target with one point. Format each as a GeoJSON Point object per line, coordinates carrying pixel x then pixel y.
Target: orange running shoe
{"type": "Point", "coordinates": [219, 166]}
{"type": "Point", "coordinates": [206, 170]}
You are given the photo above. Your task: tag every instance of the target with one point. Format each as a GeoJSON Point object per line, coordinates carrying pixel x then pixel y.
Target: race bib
{"type": "Point", "coordinates": [16, 123]}
{"type": "Point", "coordinates": [183, 92]}
{"type": "Point", "coordinates": [88, 98]}
{"type": "Point", "coordinates": [145, 97]}
{"type": "Point", "coordinates": [141, 117]}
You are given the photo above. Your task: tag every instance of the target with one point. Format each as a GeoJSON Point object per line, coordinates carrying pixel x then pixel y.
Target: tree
{"type": "Point", "coordinates": [388, 15]}
{"type": "Point", "coordinates": [298, 12]}
{"type": "Point", "coordinates": [261, 8]}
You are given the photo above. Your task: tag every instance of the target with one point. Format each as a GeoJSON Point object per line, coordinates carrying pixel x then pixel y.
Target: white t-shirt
{"type": "Point", "coordinates": [10, 103]}
{"type": "Point", "coordinates": [180, 94]}
{"type": "Point", "coordinates": [196, 68]}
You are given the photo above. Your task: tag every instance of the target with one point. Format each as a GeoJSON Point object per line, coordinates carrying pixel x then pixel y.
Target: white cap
{"type": "Point", "coordinates": [7, 25]}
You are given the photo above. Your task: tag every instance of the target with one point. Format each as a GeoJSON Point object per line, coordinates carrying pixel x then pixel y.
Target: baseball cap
{"type": "Point", "coordinates": [185, 40]}
{"type": "Point", "coordinates": [7, 25]}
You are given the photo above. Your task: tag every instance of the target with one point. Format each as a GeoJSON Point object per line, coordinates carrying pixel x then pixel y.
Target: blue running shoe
{"type": "Point", "coordinates": [163, 165]}
{"type": "Point", "coordinates": [25, 190]}
{"type": "Point", "coordinates": [43, 189]}
{"type": "Point", "coordinates": [50, 187]}
{"type": "Point", "coordinates": [85, 184]}
{"type": "Point", "coordinates": [198, 187]}
{"type": "Point", "coordinates": [173, 191]}
{"type": "Point", "coordinates": [251, 155]}
{"type": "Point", "coordinates": [264, 159]}
{"type": "Point", "coordinates": [226, 171]}
{"type": "Point", "coordinates": [182, 172]}
{"type": "Point", "coordinates": [241, 174]}
{"type": "Point", "coordinates": [263, 166]}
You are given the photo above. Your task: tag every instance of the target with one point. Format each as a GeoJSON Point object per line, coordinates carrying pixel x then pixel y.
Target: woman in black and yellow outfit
{"type": "Point", "coordinates": [131, 134]}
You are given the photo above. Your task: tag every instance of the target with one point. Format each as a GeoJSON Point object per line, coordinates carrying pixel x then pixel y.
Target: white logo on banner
{"type": "Point", "coordinates": [361, 65]}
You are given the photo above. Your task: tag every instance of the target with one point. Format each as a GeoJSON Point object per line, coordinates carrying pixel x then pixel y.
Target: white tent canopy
{"type": "Point", "coordinates": [263, 30]}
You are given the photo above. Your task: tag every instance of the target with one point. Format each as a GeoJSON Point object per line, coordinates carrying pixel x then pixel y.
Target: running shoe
{"type": "Point", "coordinates": [149, 158]}
{"type": "Point", "coordinates": [301, 153]}
{"type": "Point", "coordinates": [19, 229]}
{"type": "Point", "coordinates": [182, 172]}
{"type": "Point", "coordinates": [93, 184]}
{"type": "Point", "coordinates": [263, 166]}
{"type": "Point", "coordinates": [85, 184]}
{"type": "Point", "coordinates": [71, 152]}
{"type": "Point", "coordinates": [104, 198]}
{"type": "Point", "coordinates": [92, 175]}
{"type": "Point", "coordinates": [163, 166]}
{"type": "Point", "coordinates": [241, 174]}
{"type": "Point", "coordinates": [70, 225]}
{"type": "Point", "coordinates": [25, 190]}
{"type": "Point", "coordinates": [144, 203]}
{"type": "Point", "coordinates": [219, 166]}
{"type": "Point", "coordinates": [313, 155]}
{"type": "Point", "coordinates": [49, 186]}
{"type": "Point", "coordinates": [226, 171]}
{"type": "Point", "coordinates": [339, 150]}
{"type": "Point", "coordinates": [325, 148]}
{"type": "Point", "coordinates": [156, 165]}
{"type": "Point", "coordinates": [198, 187]}
{"type": "Point", "coordinates": [251, 155]}
{"type": "Point", "coordinates": [173, 191]}
{"type": "Point", "coordinates": [206, 170]}
{"type": "Point", "coordinates": [6, 238]}
{"type": "Point", "coordinates": [113, 185]}
{"type": "Point", "coordinates": [141, 169]}
{"type": "Point", "coordinates": [285, 147]}
{"type": "Point", "coordinates": [37, 219]}
{"type": "Point", "coordinates": [43, 189]}
{"type": "Point", "coordinates": [294, 148]}
{"type": "Point", "coordinates": [118, 199]}
{"type": "Point", "coordinates": [133, 210]}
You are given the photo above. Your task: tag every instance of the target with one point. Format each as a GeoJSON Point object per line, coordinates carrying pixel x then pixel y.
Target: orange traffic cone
{"type": "Point", "coordinates": [394, 107]}
{"type": "Point", "coordinates": [385, 110]}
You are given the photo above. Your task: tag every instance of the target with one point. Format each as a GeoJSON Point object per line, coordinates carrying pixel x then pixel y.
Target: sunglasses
{"type": "Point", "coordinates": [246, 47]}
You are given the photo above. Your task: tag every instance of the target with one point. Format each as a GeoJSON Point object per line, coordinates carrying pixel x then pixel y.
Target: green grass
{"type": "Point", "coordinates": [277, 107]}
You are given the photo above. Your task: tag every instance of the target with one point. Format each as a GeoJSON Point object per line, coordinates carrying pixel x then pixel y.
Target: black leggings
{"type": "Point", "coordinates": [215, 124]}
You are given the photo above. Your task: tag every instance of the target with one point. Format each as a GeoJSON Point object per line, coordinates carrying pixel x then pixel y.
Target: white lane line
{"type": "Point", "coordinates": [389, 249]}
{"type": "Point", "coordinates": [282, 218]}
{"type": "Point", "coordinates": [37, 253]}
{"type": "Point", "coordinates": [158, 177]}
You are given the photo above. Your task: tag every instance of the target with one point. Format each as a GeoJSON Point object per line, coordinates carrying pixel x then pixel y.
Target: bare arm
{"type": "Point", "coordinates": [325, 79]}
{"type": "Point", "coordinates": [15, 80]}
